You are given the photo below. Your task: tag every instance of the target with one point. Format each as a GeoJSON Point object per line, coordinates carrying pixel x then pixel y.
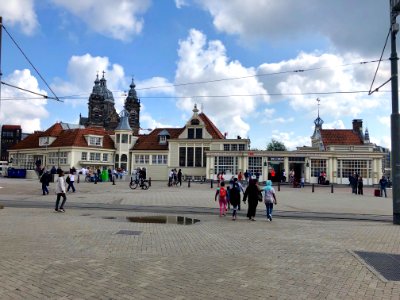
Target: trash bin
{"type": "Point", "coordinates": [16, 173]}
{"type": "Point", "coordinates": [104, 176]}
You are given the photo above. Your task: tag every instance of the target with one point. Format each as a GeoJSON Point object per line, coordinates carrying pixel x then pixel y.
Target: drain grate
{"type": "Point", "coordinates": [386, 264]}
{"type": "Point", "coordinates": [129, 232]}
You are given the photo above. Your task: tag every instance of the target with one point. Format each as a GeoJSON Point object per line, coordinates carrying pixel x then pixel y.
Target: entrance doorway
{"type": "Point", "coordinates": [299, 170]}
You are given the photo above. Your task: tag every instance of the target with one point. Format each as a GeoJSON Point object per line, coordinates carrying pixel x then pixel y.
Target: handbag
{"type": "Point", "coordinates": [259, 196]}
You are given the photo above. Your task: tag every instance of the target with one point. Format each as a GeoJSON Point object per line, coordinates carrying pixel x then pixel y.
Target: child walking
{"type": "Point", "coordinates": [269, 199]}
{"type": "Point", "coordinates": [234, 198]}
{"type": "Point", "coordinates": [222, 195]}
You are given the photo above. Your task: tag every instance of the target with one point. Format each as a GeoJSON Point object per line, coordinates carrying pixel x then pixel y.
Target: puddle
{"type": "Point", "coordinates": [163, 220]}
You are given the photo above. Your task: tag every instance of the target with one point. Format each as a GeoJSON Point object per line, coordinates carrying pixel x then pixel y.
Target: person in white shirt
{"type": "Point", "coordinates": [60, 191]}
{"type": "Point", "coordinates": [70, 182]}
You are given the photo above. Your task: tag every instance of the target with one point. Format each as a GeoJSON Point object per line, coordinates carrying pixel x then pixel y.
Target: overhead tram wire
{"type": "Point", "coordinates": [232, 78]}
{"type": "Point", "coordinates": [377, 68]}
{"type": "Point", "coordinates": [28, 91]}
{"type": "Point", "coordinates": [222, 96]}
{"type": "Point", "coordinates": [37, 71]}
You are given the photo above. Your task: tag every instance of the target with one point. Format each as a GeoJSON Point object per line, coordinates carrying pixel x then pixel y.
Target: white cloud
{"type": "Point", "coordinates": [290, 140]}
{"type": "Point", "coordinates": [200, 60]}
{"type": "Point", "coordinates": [269, 112]}
{"type": "Point", "coordinates": [338, 124]}
{"type": "Point", "coordinates": [27, 113]}
{"type": "Point", "coordinates": [279, 120]}
{"type": "Point", "coordinates": [155, 86]}
{"type": "Point", "coordinates": [148, 122]}
{"type": "Point", "coordinates": [119, 19]}
{"type": "Point", "coordinates": [384, 120]}
{"type": "Point", "coordinates": [341, 22]}
{"type": "Point", "coordinates": [329, 77]}
{"type": "Point", "coordinates": [180, 3]}
{"type": "Point", "coordinates": [21, 13]}
{"type": "Point", "coordinates": [82, 72]}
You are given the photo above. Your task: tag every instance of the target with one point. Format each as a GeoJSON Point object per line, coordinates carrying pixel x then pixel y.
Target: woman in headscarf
{"type": "Point", "coordinates": [269, 199]}
{"type": "Point", "coordinates": [252, 193]}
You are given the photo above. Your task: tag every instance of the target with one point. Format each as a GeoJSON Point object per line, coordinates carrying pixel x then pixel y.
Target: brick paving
{"type": "Point", "coordinates": [79, 255]}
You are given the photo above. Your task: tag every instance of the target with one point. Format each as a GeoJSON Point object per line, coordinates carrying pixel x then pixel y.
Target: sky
{"type": "Point", "coordinates": [255, 67]}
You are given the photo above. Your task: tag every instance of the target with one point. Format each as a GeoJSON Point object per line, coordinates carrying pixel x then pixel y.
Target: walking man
{"type": "Point", "coordinates": [382, 184]}
{"type": "Point", "coordinates": [60, 191]}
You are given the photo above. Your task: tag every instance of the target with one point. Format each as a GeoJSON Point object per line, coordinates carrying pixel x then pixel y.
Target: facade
{"type": "Point", "coordinates": [108, 140]}
{"type": "Point", "coordinates": [10, 135]}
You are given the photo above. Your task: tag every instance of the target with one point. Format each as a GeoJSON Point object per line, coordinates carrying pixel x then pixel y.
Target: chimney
{"type": "Point", "coordinates": [357, 125]}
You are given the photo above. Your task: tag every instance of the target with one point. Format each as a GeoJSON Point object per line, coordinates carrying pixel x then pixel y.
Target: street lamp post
{"type": "Point", "coordinates": [395, 116]}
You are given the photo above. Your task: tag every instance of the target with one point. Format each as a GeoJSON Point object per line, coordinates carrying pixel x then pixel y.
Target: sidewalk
{"type": "Point", "coordinates": [80, 255]}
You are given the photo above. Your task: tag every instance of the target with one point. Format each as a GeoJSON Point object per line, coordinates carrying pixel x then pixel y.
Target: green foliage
{"type": "Point", "coordinates": [275, 145]}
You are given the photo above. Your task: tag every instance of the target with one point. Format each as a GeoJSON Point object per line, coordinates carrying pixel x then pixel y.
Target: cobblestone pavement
{"type": "Point", "coordinates": [80, 255]}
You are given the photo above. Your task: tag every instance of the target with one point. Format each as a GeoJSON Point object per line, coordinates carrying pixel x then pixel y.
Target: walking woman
{"type": "Point", "coordinates": [269, 199]}
{"type": "Point", "coordinates": [60, 191]}
{"type": "Point", "coordinates": [252, 193]}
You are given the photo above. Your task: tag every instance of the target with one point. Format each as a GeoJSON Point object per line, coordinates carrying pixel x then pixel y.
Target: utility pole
{"type": "Point", "coordinates": [395, 116]}
{"type": "Point", "coordinates": [1, 73]}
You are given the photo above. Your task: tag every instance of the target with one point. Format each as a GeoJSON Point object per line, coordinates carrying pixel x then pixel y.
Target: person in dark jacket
{"type": "Point", "coordinates": [45, 181]}
{"type": "Point", "coordinates": [360, 185]}
{"type": "Point", "coordinates": [234, 197]}
{"type": "Point", "coordinates": [179, 177]}
{"type": "Point", "coordinates": [252, 194]}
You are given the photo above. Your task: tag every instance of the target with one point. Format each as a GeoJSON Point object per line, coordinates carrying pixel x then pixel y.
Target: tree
{"type": "Point", "coordinates": [275, 145]}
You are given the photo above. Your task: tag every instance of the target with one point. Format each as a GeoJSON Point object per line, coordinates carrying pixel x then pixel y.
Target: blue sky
{"type": "Point", "coordinates": [164, 42]}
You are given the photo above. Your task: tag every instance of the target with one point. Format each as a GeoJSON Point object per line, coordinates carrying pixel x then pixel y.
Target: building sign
{"type": "Point", "coordinates": [276, 158]}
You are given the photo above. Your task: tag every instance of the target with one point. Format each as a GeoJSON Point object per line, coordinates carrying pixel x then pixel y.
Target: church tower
{"type": "Point", "coordinates": [101, 107]}
{"type": "Point", "coordinates": [132, 106]}
{"type": "Point", "coordinates": [316, 140]}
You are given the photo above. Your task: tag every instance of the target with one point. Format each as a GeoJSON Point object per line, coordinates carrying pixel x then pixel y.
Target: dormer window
{"type": "Point", "coordinates": [95, 141]}
{"type": "Point", "coordinates": [195, 133]}
{"type": "Point", "coordinates": [163, 137]}
{"type": "Point", "coordinates": [195, 122]}
{"type": "Point", "coordinates": [44, 141]}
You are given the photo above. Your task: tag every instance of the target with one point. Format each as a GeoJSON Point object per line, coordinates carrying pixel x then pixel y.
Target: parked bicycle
{"type": "Point", "coordinates": [133, 184]}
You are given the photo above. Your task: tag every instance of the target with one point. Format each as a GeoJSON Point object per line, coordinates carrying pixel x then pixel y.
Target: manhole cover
{"type": "Point", "coordinates": [388, 265]}
{"type": "Point", "coordinates": [129, 232]}
{"type": "Point", "coordinates": [163, 220]}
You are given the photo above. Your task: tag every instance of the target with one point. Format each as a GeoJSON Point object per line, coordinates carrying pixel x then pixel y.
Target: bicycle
{"type": "Point", "coordinates": [133, 184]}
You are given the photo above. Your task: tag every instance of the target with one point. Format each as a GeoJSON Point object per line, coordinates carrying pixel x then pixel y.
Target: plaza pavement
{"type": "Point", "coordinates": [79, 255]}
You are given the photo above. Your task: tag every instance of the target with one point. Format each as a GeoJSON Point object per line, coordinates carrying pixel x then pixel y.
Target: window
{"type": "Point", "coordinates": [94, 156]}
{"type": "Point", "coordinates": [255, 165]}
{"type": "Point", "coordinates": [95, 141]}
{"type": "Point", "coordinates": [124, 139]}
{"type": "Point", "coordinates": [190, 133]}
{"type": "Point", "coordinates": [182, 157]}
{"type": "Point", "coordinates": [241, 147]}
{"type": "Point", "coordinates": [159, 159]}
{"type": "Point", "coordinates": [234, 147]}
{"type": "Point", "coordinates": [228, 165]}
{"type": "Point", "coordinates": [317, 166]}
{"type": "Point", "coordinates": [198, 157]}
{"type": "Point", "coordinates": [190, 153]}
{"type": "Point", "coordinates": [346, 167]}
{"type": "Point", "coordinates": [195, 122]}
{"type": "Point", "coordinates": [118, 138]}
{"type": "Point", "coordinates": [204, 156]}
{"type": "Point", "coordinates": [57, 158]}
{"type": "Point", "coordinates": [199, 133]}
{"type": "Point", "coordinates": [227, 147]}
{"type": "Point", "coordinates": [84, 156]}
{"type": "Point", "coordinates": [124, 158]}
{"type": "Point", "coordinates": [142, 159]}
{"type": "Point", "coordinates": [105, 156]}
{"type": "Point", "coordinates": [163, 139]}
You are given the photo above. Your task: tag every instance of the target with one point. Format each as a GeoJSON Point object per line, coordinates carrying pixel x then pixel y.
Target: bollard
{"type": "Point", "coordinates": [312, 188]}
{"type": "Point", "coordinates": [189, 183]}
{"type": "Point", "coordinates": [78, 178]}
{"type": "Point", "coordinates": [212, 183]}
{"type": "Point", "coordinates": [332, 188]}
{"type": "Point", "coordinates": [279, 186]}
{"type": "Point", "coordinates": [113, 179]}
{"type": "Point", "coordinates": [149, 181]}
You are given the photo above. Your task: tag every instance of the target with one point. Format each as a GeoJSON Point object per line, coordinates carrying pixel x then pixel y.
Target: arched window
{"type": "Point", "coordinates": [195, 122]}
{"type": "Point", "coordinates": [124, 158]}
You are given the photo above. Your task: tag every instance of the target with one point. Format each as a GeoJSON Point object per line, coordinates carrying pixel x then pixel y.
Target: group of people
{"type": "Point", "coordinates": [230, 196]}
{"type": "Point", "coordinates": [356, 183]}
{"type": "Point", "coordinates": [175, 178]}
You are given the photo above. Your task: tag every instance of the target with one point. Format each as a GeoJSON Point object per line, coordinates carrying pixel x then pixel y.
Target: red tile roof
{"type": "Point", "coordinates": [65, 138]}
{"type": "Point", "coordinates": [150, 141]}
{"type": "Point", "coordinates": [210, 127]}
{"type": "Point", "coordinates": [340, 137]}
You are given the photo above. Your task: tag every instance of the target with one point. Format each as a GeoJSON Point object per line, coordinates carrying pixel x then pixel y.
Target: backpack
{"type": "Point", "coordinates": [222, 192]}
{"type": "Point", "coordinates": [68, 180]}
